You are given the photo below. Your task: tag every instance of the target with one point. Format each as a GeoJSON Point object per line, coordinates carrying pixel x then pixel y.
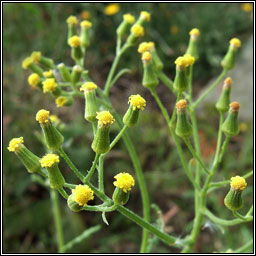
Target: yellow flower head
{"type": "Point", "coordinates": [35, 56]}
{"type": "Point", "coordinates": [85, 15]}
{"type": "Point", "coordinates": [49, 160]}
{"type": "Point", "coordinates": [247, 7]}
{"type": "Point", "coordinates": [137, 30]}
{"type": "Point", "coordinates": [228, 81]}
{"type": "Point", "coordinates": [34, 80]}
{"type": "Point", "coordinates": [27, 62]}
{"type": "Point", "coordinates": [125, 181]}
{"type": "Point", "coordinates": [194, 32]}
{"type": "Point", "coordinates": [181, 62]}
{"type": "Point", "coordinates": [129, 18]}
{"type": "Point", "coordinates": [151, 45]}
{"type": "Point", "coordinates": [235, 106]}
{"type": "Point", "coordinates": [49, 85]}
{"type": "Point", "coordinates": [82, 194]}
{"type": "Point", "coordinates": [61, 101]}
{"type": "Point", "coordinates": [42, 116]}
{"type": "Point", "coordinates": [15, 144]}
{"type": "Point", "coordinates": [105, 118]}
{"type": "Point", "coordinates": [143, 47]}
{"type": "Point", "coordinates": [72, 20]}
{"type": "Point", "coordinates": [190, 59]}
{"type": "Point", "coordinates": [181, 104]}
{"type": "Point", "coordinates": [74, 41]}
{"type": "Point", "coordinates": [88, 87]}
{"type": "Point", "coordinates": [137, 102]}
{"type": "Point", "coordinates": [111, 9]}
{"type": "Point", "coordinates": [145, 15]}
{"type": "Point", "coordinates": [85, 24]}
{"type": "Point", "coordinates": [48, 73]}
{"type": "Point", "coordinates": [54, 119]}
{"type": "Point", "coordinates": [146, 56]}
{"type": "Point", "coordinates": [238, 183]}
{"type": "Point", "coordinates": [235, 42]}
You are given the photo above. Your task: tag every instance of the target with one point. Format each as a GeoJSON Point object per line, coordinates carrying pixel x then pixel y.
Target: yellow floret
{"type": "Point", "coordinates": [74, 41]}
{"type": "Point", "coordinates": [137, 102]}
{"type": "Point", "coordinates": [137, 30]}
{"type": "Point", "coordinates": [181, 62]}
{"type": "Point", "coordinates": [111, 9]}
{"type": "Point", "coordinates": [235, 106]}
{"type": "Point", "coordinates": [61, 101]}
{"type": "Point", "coordinates": [54, 119]}
{"type": "Point", "coordinates": [49, 160]}
{"type": "Point", "coordinates": [143, 47]}
{"type": "Point", "coordinates": [27, 62]}
{"type": "Point", "coordinates": [181, 104]}
{"type": "Point", "coordinates": [72, 20]}
{"type": "Point", "coordinates": [246, 7]}
{"type": "Point", "coordinates": [42, 116]}
{"type": "Point", "coordinates": [190, 59]}
{"type": "Point", "coordinates": [48, 73]}
{"type": "Point", "coordinates": [235, 42]}
{"type": "Point", "coordinates": [129, 18]}
{"type": "Point", "coordinates": [85, 24]}
{"type": "Point", "coordinates": [194, 32]}
{"type": "Point", "coordinates": [125, 181]}
{"type": "Point", "coordinates": [146, 56]}
{"type": "Point", "coordinates": [15, 144]}
{"type": "Point", "coordinates": [228, 81]}
{"type": "Point", "coordinates": [34, 80]}
{"type": "Point", "coordinates": [35, 56]}
{"type": "Point", "coordinates": [49, 85]}
{"type": "Point", "coordinates": [88, 87]}
{"type": "Point", "coordinates": [82, 194]}
{"type": "Point", "coordinates": [105, 118]}
{"type": "Point", "coordinates": [151, 45]}
{"type": "Point", "coordinates": [145, 15]}
{"type": "Point", "coordinates": [238, 183]}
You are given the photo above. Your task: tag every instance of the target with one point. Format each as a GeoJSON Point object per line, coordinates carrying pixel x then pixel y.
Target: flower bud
{"type": "Point", "coordinates": [157, 63]}
{"type": "Point", "coordinates": [192, 46]}
{"type": "Point", "coordinates": [136, 32]}
{"type": "Point", "coordinates": [50, 85]}
{"type": "Point", "coordinates": [76, 74]}
{"type": "Point", "coordinates": [62, 101]}
{"type": "Point", "coordinates": [144, 17]}
{"type": "Point", "coordinates": [72, 22]}
{"type": "Point", "coordinates": [150, 79]}
{"type": "Point", "coordinates": [91, 105]}
{"type": "Point", "coordinates": [229, 59]}
{"type": "Point", "coordinates": [53, 137]}
{"type": "Point", "coordinates": [64, 72]}
{"type": "Point", "coordinates": [75, 44]}
{"type": "Point", "coordinates": [233, 199]}
{"type": "Point", "coordinates": [122, 29]}
{"type": "Point", "coordinates": [84, 35]}
{"type": "Point", "coordinates": [28, 63]}
{"type": "Point", "coordinates": [222, 104]}
{"type": "Point", "coordinates": [50, 162]}
{"type": "Point", "coordinates": [80, 197]}
{"type": "Point", "coordinates": [124, 183]}
{"type": "Point", "coordinates": [230, 126]}
{"type": "Point", "coordinates": [137, 103]}
{"type": "Point", "coordinates": [181, 80]}
{"type": "Point", "coordinates": [183, 127]}
{"type": "Point", "coordinates": [34, 80]}
{"type": "Point", "coordinates": [30, 160]}
{"type": "Point", "coordinates": [38, 58]}
{"type": "Point", "coordinates": [49, 74]}
{"type": "Point", "coordinates": [101, 141]}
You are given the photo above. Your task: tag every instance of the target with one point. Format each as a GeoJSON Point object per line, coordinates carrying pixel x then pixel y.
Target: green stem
{"type": "Point", "coordinates": [71, 165]}
{"type": "Point", "coordinates": [91, 171]}
{"type": "Point", "coordinates": [219, 139]}
{"type": "Point", "coordinates": [224, 147]}
{"type": "Point", "coordinates": [166, 80]}
{"type": "Point", "coordinates": [101, 174]}
{"type": "Point", "coordinates": [223, 222]}
{"type": "Point", "coordinates": [250, 211]}
{"type": "Point", "coordinates": [190, 147]}
{"type": "Point", "coordinates": [117, 138]}
{"type": "Point", "coordinates": [206, 92]}
{"type": "Point", "coordinates": [63, 193]}
{"type": "Point", "coordinates": [179, 148]}
{"type": "Point", "coordinates": [57, 219]}
{"type": "Point", "coordinates": [245, 248]}
{"type": "Point", "coordinates": [239, 216]}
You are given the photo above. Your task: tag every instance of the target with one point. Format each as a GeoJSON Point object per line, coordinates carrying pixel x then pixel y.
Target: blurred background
{"type": "Point", "coordinates": [27, 215]}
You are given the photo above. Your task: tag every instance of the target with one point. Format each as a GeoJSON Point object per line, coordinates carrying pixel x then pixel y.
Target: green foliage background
{"type": "Point", "coordinates": [28, 222]}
